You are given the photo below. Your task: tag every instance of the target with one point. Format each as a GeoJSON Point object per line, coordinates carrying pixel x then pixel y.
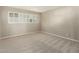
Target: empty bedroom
{"type": "Point", "coordinates": [39, 29]}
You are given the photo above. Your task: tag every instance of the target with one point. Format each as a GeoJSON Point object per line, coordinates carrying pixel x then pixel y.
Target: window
{"type": "Point", "coordinates": [10, 14]}
{"type": "Point", "coordinates": [16, 14]}
{"type": "Point", "coordinates": [17, 17]}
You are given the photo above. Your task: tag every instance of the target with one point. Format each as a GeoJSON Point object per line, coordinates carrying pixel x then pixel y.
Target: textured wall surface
{"type": "Point", "coordinates": [0, 22]}
{"type": "Point", "coordinates": [76, 23]}
{"type": "Point", "coordinates": [60, 22]}
{"type": "Point", "coordinates": [16, 29]}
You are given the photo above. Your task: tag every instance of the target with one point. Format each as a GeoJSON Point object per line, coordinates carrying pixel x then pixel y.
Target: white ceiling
{"type": "Point", "coordinates": [37, 8]}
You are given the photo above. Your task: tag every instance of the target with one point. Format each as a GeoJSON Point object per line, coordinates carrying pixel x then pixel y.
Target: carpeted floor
{"type": "Point", "coordinates": [38, 43]}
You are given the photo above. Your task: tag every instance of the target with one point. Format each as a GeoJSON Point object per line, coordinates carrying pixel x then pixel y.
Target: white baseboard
{"type": "Point", "coordinates": [59, 36]}
{"type": "Point", "coordinates": [10, 36]}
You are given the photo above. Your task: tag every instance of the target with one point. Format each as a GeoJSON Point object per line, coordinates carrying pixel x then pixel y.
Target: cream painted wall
{"type": "Point", "coordinates": [0, 23]}
{"type": "Point", "coordinates": [76, 24]}
{"type": "Point", "coordinates": [60, 22]}
{"type": "Point", "coordinates": [16, 29]}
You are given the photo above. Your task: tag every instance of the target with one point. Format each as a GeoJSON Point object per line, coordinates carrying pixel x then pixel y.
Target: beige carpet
{"type": "Point", "coordinates": [38, 43]}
